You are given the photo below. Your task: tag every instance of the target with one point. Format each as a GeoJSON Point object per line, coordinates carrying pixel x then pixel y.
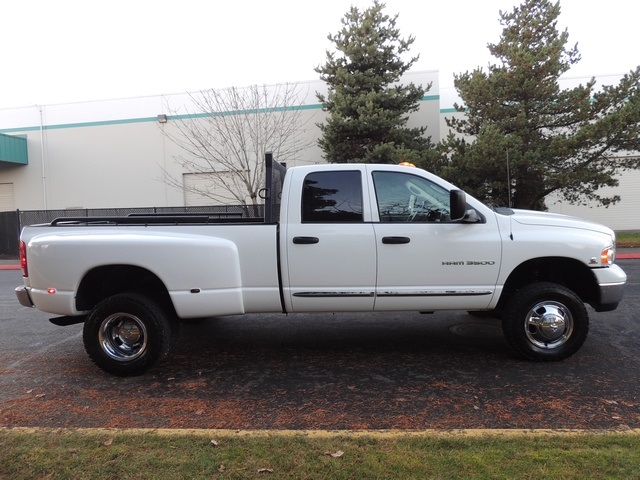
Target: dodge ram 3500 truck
{"type": "Point", "coordinates": [335, 238]}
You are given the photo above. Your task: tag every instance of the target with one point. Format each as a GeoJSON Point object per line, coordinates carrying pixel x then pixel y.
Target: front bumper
{"type": "Point", "coordinates": [24, 298]}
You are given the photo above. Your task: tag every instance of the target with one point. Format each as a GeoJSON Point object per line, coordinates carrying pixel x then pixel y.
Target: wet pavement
{"type": "Point", "coordinates": [344, 371]}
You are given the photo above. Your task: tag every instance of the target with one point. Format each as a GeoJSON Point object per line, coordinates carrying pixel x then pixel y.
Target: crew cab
{"type": "Point", "coordinates": [334, 238]}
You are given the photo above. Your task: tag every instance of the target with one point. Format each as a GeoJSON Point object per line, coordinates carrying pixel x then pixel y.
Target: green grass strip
{"type": "Point", "coordinates": [628, 239]}
{"type": "Point", "coordinates": [73, 454]}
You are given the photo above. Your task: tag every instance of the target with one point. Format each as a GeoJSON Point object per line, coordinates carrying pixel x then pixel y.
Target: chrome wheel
{"type": "Point", "coordinates": [123, 337]}
{"type": "Point", "coordinates": [549, 325]}
{"type": "Point", "coordinates": [128, 333]}
{"type": "Point", "coordinates": [545, 321]}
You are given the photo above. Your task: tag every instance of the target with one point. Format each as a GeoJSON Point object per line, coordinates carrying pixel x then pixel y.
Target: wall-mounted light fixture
{"type": "Point", "coordinates": [162, 118]}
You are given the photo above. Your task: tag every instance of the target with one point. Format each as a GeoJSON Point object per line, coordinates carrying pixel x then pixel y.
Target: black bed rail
{"type": "Point", "coordinates": [156, 219]}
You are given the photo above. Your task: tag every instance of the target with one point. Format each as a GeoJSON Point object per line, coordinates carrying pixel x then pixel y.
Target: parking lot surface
{"type": "Point", "coordinates": [344, 371]}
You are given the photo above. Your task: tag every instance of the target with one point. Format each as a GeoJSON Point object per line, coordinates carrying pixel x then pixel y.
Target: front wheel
{"type": "Point", "coordinates": [545, 322]}
{"type": "Point", "coordinates": [126, 334]}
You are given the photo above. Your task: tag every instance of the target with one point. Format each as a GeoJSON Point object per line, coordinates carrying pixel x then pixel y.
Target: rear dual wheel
{"type": "Point", "coordinates": [545, 322]}
{"type": "Point", "coordinates": [128, 333]}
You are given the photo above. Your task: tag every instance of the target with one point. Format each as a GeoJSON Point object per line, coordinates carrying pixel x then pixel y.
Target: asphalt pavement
{"type": "Point", "coordinates": [342, 371]}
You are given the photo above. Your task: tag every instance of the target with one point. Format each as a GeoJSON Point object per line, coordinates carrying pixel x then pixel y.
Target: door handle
{"type": "Point", "coordinates": [395, 240]}
{"type": "Point", "coordinates": [305, 240]}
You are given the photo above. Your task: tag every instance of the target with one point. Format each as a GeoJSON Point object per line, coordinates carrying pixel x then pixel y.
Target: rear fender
{"type": "Point", "coordinates": [201, 273]}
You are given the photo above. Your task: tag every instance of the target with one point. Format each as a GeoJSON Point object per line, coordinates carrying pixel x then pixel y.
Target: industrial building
{"type": "Point", "coordinates": [117, 154]}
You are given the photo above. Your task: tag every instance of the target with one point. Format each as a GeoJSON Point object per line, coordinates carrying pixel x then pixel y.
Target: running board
{"type": "Point", "coordinates": [66, 321]}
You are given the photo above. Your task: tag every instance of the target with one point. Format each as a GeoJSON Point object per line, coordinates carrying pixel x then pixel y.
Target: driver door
{"type": "Point", "coordinates": [425, 261]}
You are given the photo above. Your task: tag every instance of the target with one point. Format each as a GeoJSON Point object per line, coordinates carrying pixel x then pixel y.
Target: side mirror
{"type": "Point", "coordinates": [458, 205]}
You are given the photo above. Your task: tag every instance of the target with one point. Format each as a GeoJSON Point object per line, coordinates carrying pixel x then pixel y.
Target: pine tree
{"type": "Point", "coordinates": [528, 131]}
{"type": "Point", "coordinates": [368, 109]}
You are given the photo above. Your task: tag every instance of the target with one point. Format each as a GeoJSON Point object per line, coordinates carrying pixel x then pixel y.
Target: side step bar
{"type": "Point", "coordinates": [66, 321]}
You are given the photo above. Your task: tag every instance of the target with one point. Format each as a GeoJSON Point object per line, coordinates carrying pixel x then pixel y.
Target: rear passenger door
{"type": "Point", "coordinates": [330, 246]}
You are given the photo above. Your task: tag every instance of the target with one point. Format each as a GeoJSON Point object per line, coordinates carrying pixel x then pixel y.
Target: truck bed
{"type": "Point", "coordinates": [233, 270]}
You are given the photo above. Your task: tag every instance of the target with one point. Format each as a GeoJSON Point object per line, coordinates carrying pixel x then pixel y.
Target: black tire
{"type": "Point", "coordinates": [127, 334]}
{"type": "Point", "coordinates": [545, 322]}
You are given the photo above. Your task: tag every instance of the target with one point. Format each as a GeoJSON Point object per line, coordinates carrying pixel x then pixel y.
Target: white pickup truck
{"type": "Point", "coordinates": [349, 238]}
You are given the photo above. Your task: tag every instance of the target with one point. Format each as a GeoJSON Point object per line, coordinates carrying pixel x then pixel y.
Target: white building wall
{"type": "Point", "coordinates": [622, 216]}
{"type": "Point", "coordinates": [113, 153]}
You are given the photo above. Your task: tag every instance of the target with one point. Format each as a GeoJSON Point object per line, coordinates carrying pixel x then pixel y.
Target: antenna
{"type": "Point", "coordinates": [508, 181]}
{"type": "Point", "coordinates": [509, 196]}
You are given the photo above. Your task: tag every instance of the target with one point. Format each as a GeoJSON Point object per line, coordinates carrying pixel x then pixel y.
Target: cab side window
{"type": "Point", "coordinates": [330, 197]}
{"type": "Point", "coordinates": [403, 197]}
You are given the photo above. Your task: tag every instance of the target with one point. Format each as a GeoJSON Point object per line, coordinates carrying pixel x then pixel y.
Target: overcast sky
{"type": "Point", "coordinates": [64, 51]}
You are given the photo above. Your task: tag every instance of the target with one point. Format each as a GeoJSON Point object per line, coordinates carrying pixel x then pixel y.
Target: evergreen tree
{"type": "Point", "coordinates": [529, 132]}
{"type": "Point", "coordinates": [368, 109]}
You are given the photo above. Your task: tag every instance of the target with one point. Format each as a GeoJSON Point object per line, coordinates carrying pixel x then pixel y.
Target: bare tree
{"type": "Point", "coordinates": [224, 140]}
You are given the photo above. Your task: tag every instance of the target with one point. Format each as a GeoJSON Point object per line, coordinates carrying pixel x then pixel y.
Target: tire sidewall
{"type": "Point", "coordinates": [518, 307]}
{"type": "Point", "coordinates": [158, 333]}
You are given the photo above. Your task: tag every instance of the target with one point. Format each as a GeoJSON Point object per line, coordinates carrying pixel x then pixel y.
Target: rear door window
{"type": "Point", "coordinates": [330, 197]}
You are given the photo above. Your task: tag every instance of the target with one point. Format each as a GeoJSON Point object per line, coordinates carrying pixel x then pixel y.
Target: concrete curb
{"type": "Point", "coordinates": [9, 267]}
{"type": "Point", "coordinates": [628, 256]}
{"type": "Point", "coordinates": [460, 433]}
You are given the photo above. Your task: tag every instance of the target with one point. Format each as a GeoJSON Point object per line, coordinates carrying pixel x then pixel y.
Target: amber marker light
{"type": "Point", "coordinates": [607, 256]}
{"type": "Point", "coordinates": [51, 291]}
{"type": "Point", "coordinates": [407, 164]}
